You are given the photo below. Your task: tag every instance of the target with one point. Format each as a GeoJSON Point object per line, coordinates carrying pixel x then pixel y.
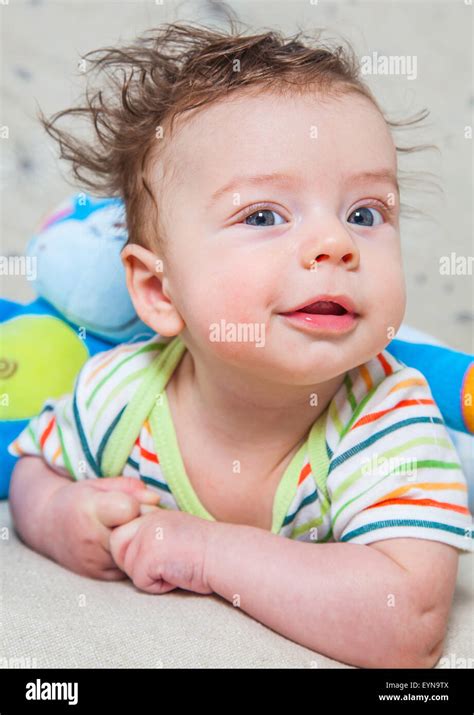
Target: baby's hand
{"type": "Point", "coordinates": [163, 550]}
{"type": "Point", "coordinates": [79, 518]}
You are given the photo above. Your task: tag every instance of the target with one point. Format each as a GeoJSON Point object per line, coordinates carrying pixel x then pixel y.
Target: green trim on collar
{"type": "Point", "coordinates": [286, 489]}
{"type": "Point", "coordinates": [318, 458]}
{"type": "Point", "coordinates": [150, 401]}
{"type": "Point", "coordinates": [122, 439]}
{"type": "Point", "coordinates": [167, 448]}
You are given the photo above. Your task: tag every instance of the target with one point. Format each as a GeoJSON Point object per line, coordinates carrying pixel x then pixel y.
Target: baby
{"type": "Point", "coordinates": [260, 181]}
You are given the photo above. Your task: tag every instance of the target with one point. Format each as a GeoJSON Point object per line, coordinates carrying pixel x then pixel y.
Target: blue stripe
{"type": "Point", "coordinates": [156, 483]}
{"type": "Point", "coordinates": [106, 437]}
{"type": "Point", "coordinates": [149, 480]}
{"type": "Point", "coordinates": [82, 437]}
{"type": "Point", "coordinates": [378, 435]}
{"type": "Point", "coordinates": [133, 464]}
{"type": "Point", "coordinates": [407, 522]}
{"type": "Point", "coordinates": [307, 500]}
{"type": "Point", "coordinates": [329, 451]}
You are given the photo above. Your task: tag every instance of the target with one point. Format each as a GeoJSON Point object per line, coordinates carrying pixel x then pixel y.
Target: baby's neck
{"type": "Point", "coordinates": [271, 419]}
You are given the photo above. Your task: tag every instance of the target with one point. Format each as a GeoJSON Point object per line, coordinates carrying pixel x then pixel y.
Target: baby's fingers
{"type": "Point", "coordinates": [145, 508]}
{"type": "Point", "coordinates": [116, 508]}
{"type": "Point", "coordinates": [128, 485]}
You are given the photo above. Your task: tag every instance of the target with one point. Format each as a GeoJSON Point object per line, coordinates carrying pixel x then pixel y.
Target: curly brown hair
{"type": "Point", "coordinates": [175, 68]}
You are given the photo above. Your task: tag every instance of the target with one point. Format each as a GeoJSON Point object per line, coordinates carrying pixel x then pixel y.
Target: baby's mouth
{"type": "Point", "coordinates": [324, 307]}
{"type": "Point", "coordinates": [334, 314]}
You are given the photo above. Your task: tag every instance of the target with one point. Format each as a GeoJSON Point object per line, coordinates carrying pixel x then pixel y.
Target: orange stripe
{"type": "Point", "coordinates": [403, 403]}
{"type": "Point", "coordinates": [99, 368]}
{"type": "Point", "coordinates": [304, 473]}
{"type": "Point", "coordinates": [467, 398]}
{"type": "Point", "coordinates": [145, 453]}
{"type": "Point", "coordinates": [428, 486]}
{"type": "Point", "coordinates": [366, 377]}
{"type": "Point", "coordinates": [386, 367]}
{"type": "Point", "coordinates": [146, 425]}
{"type": "Point", "coordinates": [47, 431]}
{"type": "Point", "coordinates": [16, 447]}
{"type": "Point", "coordinates": [408, 383]}
{"type": "Point", "coordinates": [56, 454]}
{"type": "Point", "coordinates": [423, 502]}
{"type": "Point", "coordinates": [105, 362]}
{"type": "Point", "coordinates": [148, 455]}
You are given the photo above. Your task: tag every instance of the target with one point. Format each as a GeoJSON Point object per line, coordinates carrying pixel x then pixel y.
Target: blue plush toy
{"type": "Point", "coordinates": [84, 307]}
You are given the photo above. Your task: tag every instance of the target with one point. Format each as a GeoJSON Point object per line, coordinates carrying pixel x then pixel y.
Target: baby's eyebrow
{"type": "Point", "coordinates": [383, 174]}
{"type": "Point", "coordinates": [236, 181]}
{"type": "Point", "coordinates": [386, 175]}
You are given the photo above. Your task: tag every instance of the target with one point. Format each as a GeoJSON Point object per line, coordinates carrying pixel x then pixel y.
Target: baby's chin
{"type": "Point", "coordinates": [291, 361]}
{"type": "Point", "coordinates": [286, 354]}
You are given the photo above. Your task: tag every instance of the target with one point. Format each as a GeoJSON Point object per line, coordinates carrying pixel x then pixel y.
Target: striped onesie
{"type": "Point", "coordinates": [377, 464]}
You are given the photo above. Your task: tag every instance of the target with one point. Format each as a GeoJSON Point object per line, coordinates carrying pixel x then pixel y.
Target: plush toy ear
{"type": "Point", "coordinates": [79, 269]}
{"type": "Point", "coordinates": [450, 375]}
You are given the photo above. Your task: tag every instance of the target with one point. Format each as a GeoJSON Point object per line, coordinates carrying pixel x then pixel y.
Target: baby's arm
{"type": "Point", "coordinates": [383, 605]}
{"type": "Point", "coordinates": [70, 522]}
{"type": "Point", "coordinates": [32, 486]}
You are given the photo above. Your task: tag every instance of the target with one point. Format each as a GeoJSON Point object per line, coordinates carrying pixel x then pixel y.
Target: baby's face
{"type": "Point", "coordinates": [242, 252]}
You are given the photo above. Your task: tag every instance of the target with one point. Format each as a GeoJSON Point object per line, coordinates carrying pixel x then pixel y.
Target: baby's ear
{"type": "Point", "coordinates": [144, 273]}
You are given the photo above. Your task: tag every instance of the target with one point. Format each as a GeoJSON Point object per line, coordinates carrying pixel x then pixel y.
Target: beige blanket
{"type": "Point", "coordinates": [53, 618]}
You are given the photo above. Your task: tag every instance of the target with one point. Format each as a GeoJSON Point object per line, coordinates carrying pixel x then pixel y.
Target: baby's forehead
{"type": "Point", "coordinates": [250, 132]}
{"type": "Point", "coordinates": [243, 113]}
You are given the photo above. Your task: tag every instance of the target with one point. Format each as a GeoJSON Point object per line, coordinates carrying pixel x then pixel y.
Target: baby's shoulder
{"type": "Point", "coordinates": [379, 393]}
{"type": "Point", "coordinates": [106, 384]}
{"type": "Point", "coordinates": [115, 371]}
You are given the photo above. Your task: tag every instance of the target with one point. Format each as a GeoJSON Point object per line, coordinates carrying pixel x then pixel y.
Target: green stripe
{"type": "Point", "coordinates": [418, 464]}
{"type": "Point", "coordinates": [298, 530]}
{"type": "Point", "coordinates": [65, 455]}
{"type": "Point", "coordinates": [33, 437]}
{"type": "Point", "coordinates": [428, 463]}
{"type": "Point", "coordinates": [359, 409]}
{"type": "Point", "coordinates": [375, 436]}
{"type": "Point", "coordinates": [336, 420]}
{"type": "Point", "coordinates": [144, 349]}
{"type": "Point", "coordinates": [328, 536]}
{"type": "Point", "coordinates": [350, 395]}
{"type": "Point", "coordinates": [422, 463]}
{"type": "Point", "coordinates": [117, 389]}
{"type": "Point", "coordinates": [398, 449]}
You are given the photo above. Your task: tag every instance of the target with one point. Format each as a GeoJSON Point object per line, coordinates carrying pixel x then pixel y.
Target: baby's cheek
{"type": "Point", "coordinates": [395, 305]}
{"type": "Point", "coordinates": [235, 326]}
{"type": "Point", "coordinates": [235, 300]}
{"type": "Point", "coordinates": [387, 308]}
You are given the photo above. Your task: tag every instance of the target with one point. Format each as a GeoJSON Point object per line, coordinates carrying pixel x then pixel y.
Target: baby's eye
{"type": "Point", "coordinates": [363, 216]}
{"type": "Point", "coordinates": [262, 217]}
